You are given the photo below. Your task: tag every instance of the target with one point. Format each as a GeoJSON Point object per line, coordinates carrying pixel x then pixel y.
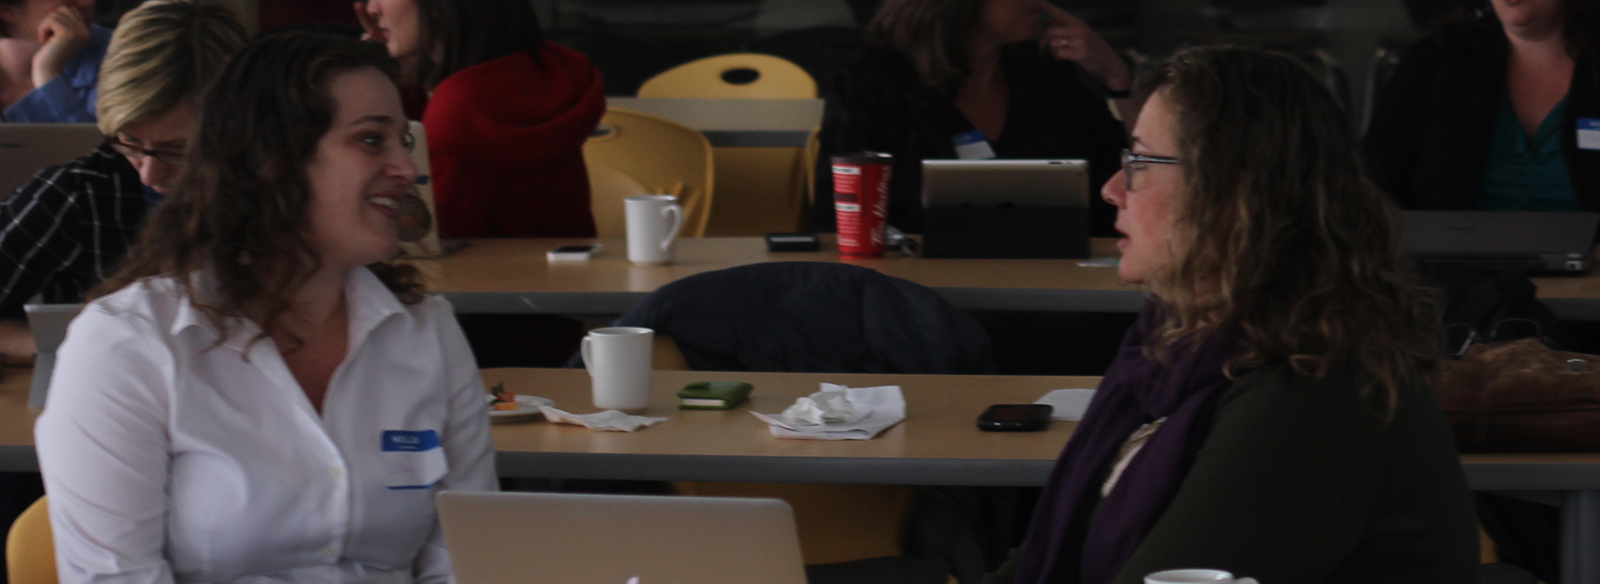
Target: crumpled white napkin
{"type": "Point", "coordinates": [607, 421]}
{"type": "Point", "coordinates": [1068, 404]}
{"type": "Point", "coordinates": [839, 413]}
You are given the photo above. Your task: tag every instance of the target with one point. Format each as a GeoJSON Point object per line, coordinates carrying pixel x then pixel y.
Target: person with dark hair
{"type": "Point", "coordinates": [50, 54]}
{"type": "Point", "coordinates": [946, 79]}
{"type": "Point", "coordinates": [507, 114]}
{"type": "Point", "coordinates": [1269, 412]}
{"type": "Point", "coordinates": [1501, 112]}
{"type": "Point", "coordinates": [244, 401]}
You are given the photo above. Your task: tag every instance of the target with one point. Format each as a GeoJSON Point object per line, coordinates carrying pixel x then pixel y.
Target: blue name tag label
{"type": "Point", "coordinates": [408, 441]}
{"type": "Point", "coordinates": [1589, 133]}
{"type": "Point", "coordinates": [972, 146]}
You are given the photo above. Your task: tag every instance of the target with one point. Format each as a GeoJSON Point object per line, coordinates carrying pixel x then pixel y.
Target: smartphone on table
{"type": "Point", "coordinates": [1015, 418]}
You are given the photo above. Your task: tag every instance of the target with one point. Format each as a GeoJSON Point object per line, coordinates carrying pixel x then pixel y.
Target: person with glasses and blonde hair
{"type": "Point", "coordinates": [1269, 413]}
{"type": "Point", "coordinates": [65, 230]}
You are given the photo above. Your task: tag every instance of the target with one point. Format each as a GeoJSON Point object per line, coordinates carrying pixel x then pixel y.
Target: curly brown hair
{"type": "Point", "coordinates": [1279, 237]}
{"type": "Point", "coordinates": [240, 209]}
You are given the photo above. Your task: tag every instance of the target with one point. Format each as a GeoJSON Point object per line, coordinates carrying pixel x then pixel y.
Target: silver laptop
{"type": "Point", "coordinates": [554, 538]}
{"type": "Point", "coordinates": [1005, 183]}
{"type": "Point", "coordinates": [49, 323]}
{"type": "Point", "coordinates": [1514, 240]}
{"type": "Point", "coordinates": [26, 149]}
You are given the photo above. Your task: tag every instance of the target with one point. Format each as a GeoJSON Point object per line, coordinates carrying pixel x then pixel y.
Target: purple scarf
{"type": "Point", "coordinates": [1069, 541]}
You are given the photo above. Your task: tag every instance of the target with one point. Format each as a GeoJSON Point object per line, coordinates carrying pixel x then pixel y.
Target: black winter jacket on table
{"type": "Point", "coordinates": [812, 317]}
{"type": "Point", "coordinates": [1431, 125]}
{"type": "Point", "coordinates": [877, 103]}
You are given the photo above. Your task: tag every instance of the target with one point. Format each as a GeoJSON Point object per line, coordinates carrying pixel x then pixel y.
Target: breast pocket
{"type": "Point", "coordinates": [413, 459]}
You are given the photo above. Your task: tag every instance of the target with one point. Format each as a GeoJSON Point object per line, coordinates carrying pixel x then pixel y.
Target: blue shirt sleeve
{"type": "Point", "coordinates": [70, 97]}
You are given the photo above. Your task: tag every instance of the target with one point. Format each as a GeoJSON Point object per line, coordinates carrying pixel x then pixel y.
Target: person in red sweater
{"type": "Point", "coordinates": [506, 113]}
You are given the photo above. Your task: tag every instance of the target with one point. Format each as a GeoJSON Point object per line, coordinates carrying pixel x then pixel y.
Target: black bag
{"type": "Point", "coordinates": [1482, 306]}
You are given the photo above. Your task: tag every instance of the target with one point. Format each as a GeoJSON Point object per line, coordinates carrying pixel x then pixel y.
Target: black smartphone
{"type": "Point", "coordinates": [793, 242]}
{"type": "Point", "coordinates": [1015, 418]}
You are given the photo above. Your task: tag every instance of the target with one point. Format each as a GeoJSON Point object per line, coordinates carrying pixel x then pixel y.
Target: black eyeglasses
{"type": "Point", "coordinates": [137, 153]}
{"type": "Point", "coordinates": [1134, 165]}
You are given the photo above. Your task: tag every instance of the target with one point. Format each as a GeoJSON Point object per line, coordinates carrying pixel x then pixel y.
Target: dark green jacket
{"type": "Point", "coordinates": [1299, 483]}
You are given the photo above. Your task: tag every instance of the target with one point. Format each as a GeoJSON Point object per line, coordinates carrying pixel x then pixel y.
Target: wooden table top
{"type": "Point", "coordinates": [939, 430]}
{"type": "Point", "coordinates": [519, 265]}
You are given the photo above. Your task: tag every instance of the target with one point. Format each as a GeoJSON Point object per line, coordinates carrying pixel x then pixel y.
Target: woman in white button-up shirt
{"type": "Point", "coordinates": [257, 397]}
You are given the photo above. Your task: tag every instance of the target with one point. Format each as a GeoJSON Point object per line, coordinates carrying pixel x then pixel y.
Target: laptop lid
{"type": "Point", "coordinates": [557, 538]}
{"type": "Point", "coordinates": [1531, 240]}
{"type": "Point", "coordinates": [1005, 183]}
{"type": "Point", "coordinates": [49, 324]}
{"type": "Point", "coordinates": [26, 149]}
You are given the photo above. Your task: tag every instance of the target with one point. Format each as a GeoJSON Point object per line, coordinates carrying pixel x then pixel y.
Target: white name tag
{"type": "Point", "coordinates": [414, 459]}
{"type": "Point", "coordinates": [1589, 133]}
{"type": "Point", "coordinates": [972, 146]}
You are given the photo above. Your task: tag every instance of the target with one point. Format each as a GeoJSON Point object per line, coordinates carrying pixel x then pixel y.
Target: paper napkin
{"type": "Point", "coordinates": [864, 412]}
{"type": "Point", "coordinates": [607, 421]}
{"type": "Point", "coordinates": [1069, 404]}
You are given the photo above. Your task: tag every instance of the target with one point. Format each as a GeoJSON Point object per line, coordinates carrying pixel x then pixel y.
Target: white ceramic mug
{"type": "Point", "coordinates": [1195, 576]}
{"type": "Point", "coordinates": [618, 360]}
{"type": "Point", "coordinates": [653, 224]}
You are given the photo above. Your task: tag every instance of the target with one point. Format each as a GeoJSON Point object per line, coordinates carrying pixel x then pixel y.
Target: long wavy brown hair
{"type": "Point", "coordinates": [239, 211]}
{"type": "Point", "coordinates": [1279, 237]}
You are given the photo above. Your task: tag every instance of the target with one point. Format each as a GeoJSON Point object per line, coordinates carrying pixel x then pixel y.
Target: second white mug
{"type": "Point", "coordinates": [618, 360]}
{"type": "Point", "coordinates": [653, 224]}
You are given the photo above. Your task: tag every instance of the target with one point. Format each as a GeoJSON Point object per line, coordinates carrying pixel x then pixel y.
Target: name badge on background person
{"type": "Point", "coordinates": [1589, 133]}
{"type": "Point", "coordinates": [972, 146]}
{"type": "Point", "coordinates": [414, 459]}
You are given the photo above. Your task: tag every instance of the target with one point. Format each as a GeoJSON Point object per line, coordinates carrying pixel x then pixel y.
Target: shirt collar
{"type": "Point", "coordinates": [369, 302]}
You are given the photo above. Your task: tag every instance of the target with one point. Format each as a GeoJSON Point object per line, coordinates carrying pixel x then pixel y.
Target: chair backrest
{"type": "Point", "coordinates": [662, 156]}
{"type": "Point", "coordinates": [30, 548]}
{"type": "Point", "coordinates": [608, 188]}
{"type": "Point", "coordinates": [735, 76]}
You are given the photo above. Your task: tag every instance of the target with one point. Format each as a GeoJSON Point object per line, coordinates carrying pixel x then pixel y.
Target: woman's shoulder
{"type": "Point", "coordinates": [1471, 42]}
{"type": "Point", "coordinates": [1346, 400]}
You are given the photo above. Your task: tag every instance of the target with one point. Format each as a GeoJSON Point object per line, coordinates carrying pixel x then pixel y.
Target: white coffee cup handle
{"type": "Point", "coordinates": [588, 362]}
{"type": "Point", "coordinates": [675, 212]}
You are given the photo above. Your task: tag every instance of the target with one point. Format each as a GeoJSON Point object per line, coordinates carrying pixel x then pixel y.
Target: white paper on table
{"type": "Point", "coordinates": [1068, 404]}
{"type": "Point", "coordinates": [884, 407]}
{"type": "Point", "coordinates": [607, 421]}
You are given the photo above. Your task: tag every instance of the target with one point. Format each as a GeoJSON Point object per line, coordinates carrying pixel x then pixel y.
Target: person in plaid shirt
{"type": "Point", "coordinates": [66, 230]}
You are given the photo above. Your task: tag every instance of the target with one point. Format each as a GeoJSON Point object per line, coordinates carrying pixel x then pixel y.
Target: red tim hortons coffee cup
{"type": "Point", "coordinates": [861, 202]}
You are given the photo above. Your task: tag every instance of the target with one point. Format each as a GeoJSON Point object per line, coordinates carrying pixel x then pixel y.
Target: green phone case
{"type": "Point", "coordinates": [713, 395]}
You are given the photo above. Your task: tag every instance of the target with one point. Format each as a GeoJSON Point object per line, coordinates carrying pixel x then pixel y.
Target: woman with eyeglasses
{"type": "Point", "coordinates": [258, 395]}
{"type": "Point", "coordinates": [65, 230]}
{"type": "Point", "coordinates": [1268, 414]}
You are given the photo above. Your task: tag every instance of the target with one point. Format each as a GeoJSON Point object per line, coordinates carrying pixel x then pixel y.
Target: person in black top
{"type": "Point", "coordinates": [1020, 78]}
{"type": "Point", "coordinates": [1493, 113]}
{"type": "Point", "coordinates": [65, 230]}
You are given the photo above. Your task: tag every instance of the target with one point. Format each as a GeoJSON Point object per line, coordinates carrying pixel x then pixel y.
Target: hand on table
{"type": "Point", "coordinates": [62, 35]}
{"type": "Point", "coordinates": [1067, 38]}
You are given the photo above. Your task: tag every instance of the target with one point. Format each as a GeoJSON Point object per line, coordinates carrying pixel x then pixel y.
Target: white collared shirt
{"type": "Point", "coordinates": [171, 459]}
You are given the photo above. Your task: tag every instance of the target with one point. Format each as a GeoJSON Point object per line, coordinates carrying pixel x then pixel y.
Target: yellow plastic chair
{"type": "Point", "coordinates": [30, 549]}
{"type": "Point", "coordinates": [659, 155]}
{"type": "Point", "coordinates": [735, 76]}
{"type": "Point", "coordinates": [763, 190]}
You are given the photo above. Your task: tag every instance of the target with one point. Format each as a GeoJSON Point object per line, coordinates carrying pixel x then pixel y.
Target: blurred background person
{"type": "Point", "coordinates": [1030, 79]}
{"type": "Point", "coordinates": [66, 230]}
{"type": "Point", "coordinates": [50, 56]}
{"type": "Point", "coordinates": [1485, 114]}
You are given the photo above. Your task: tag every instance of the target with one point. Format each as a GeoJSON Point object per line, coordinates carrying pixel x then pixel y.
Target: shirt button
{"type": "Point", "coordinates": [335, 472]}
{"type": "Point", "coordinates": [330, 551]}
